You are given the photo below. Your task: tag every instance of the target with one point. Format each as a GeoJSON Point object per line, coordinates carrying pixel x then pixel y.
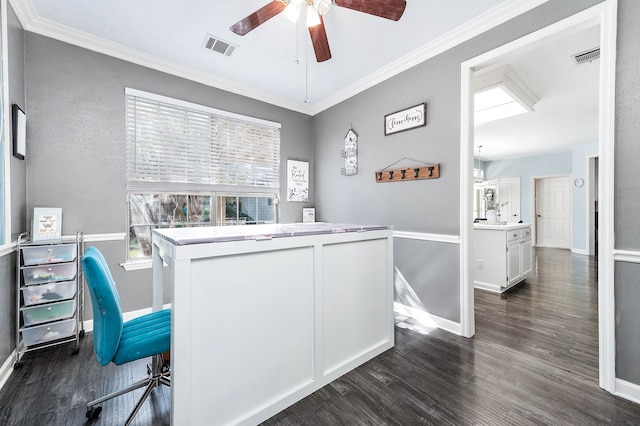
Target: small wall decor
{"type": "Point", "coordinates": [350, 154]}
{"type": "Point", "coordinates": [297, 181]}
{"type": "Point", "coordinates": [410, 118]}
{"type": "Point", "coordinates": [418, 172]}
{"type": "Point", "coordinates": [308, 215]}
{"type": "Point", "coordinates": [47, 224]}
{"type": "Point", "coordinates": [19, 126]}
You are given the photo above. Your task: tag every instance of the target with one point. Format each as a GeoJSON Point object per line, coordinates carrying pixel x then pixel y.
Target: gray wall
{"type": "Point", "coordinates": [627, 196]}
{"type": "Point", "coordinates": [427, 206]}
{"type": "Point", "coordinates": [76, 143]}
{"type": "Point", "coordinates": [18, 197]}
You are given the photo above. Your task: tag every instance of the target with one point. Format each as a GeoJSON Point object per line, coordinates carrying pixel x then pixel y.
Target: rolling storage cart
{"type": "Point", "coordinates": [49, 294]}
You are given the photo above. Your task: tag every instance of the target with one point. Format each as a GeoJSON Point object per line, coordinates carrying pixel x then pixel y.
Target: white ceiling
{"type": "Point", "coordinates": [271, 64]}
{"type": "Point", "coordinates": [567, 113]}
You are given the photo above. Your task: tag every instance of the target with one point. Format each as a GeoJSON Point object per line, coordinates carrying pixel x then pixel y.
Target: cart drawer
{"type": "Point", "coordinates": [48, 332]}
{"type": "Point", "coordinates": [45, 293]}
{"type": "Point", "coordinates": [49, 273]}
{"type": "Point", "coordinates": [48, 254]}
{"type": "Point", "coordinates": [50, 312]}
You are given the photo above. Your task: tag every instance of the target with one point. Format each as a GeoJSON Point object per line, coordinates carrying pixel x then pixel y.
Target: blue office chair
{"type": "Point", "coordinates": [120, 342]}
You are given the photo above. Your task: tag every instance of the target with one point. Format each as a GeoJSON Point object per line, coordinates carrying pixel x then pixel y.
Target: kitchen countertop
{"type": "Point", "coordinates": [507, 227]}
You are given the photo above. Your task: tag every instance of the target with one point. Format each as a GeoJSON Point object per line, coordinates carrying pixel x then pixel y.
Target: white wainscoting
{"type": "Point", "coordinates": [424, 317]}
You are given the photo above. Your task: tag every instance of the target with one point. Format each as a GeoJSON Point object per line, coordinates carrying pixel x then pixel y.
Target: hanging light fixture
{"type": "Point", "coordinates": [314, 9]}
{"type": "Point", "coordinates": [478, 173]}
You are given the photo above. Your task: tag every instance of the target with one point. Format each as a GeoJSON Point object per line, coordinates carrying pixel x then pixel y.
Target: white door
{"type": "Point", "coordinates": [553, 212]}
{"type": "Point", "coordinates": [509, 193]}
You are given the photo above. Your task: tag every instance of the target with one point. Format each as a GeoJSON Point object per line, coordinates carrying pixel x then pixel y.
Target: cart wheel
{"type": "Point", "coordinates": [17, 365]}
{"type": "Point", "coordinates": [75, 351]}
{"type": "Point", "coordinates": [93, 412]}
{"type": "Point", "coordinates": [81, 333]}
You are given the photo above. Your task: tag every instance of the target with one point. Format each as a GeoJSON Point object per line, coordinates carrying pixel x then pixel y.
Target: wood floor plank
{"type": "Point", "coordinates": [533, 361]}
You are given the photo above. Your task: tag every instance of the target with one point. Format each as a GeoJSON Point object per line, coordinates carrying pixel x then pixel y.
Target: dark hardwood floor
{"type": "Point", "coordinates": [533, 361]}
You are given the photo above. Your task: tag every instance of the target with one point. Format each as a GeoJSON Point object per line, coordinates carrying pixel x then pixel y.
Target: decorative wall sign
{"type": "Point", "coordinates": [350, 153]}
{"type": "Point", "coordinates": [407, 119]}
{"type": "Point", "coordinates": [297, 181]}
{"type": "Point", "coordinates": [47, 224]}
{"type": "Point", "coordinates": [19, 121]}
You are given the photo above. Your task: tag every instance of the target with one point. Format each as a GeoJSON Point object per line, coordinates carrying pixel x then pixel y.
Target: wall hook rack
{"type": "Point", "coordinates": [423, 171]}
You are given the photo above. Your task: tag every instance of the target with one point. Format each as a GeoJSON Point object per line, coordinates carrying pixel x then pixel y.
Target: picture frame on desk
{"type": "Point", "coordinates": [47, 224]}
{"type": "Point", "coordinates": [308, 215]}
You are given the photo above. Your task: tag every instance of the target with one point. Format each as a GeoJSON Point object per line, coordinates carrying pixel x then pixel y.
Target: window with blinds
{"type": "Point", "coordinates": [175, 142]}
{"type": "Point", "coordinates": [190, 165]}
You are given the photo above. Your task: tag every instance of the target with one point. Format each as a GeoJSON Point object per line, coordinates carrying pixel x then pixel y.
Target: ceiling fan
{"type": "Point", "coordinates": [388, 9]}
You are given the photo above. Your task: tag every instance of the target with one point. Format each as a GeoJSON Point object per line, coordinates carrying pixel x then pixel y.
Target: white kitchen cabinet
{"type": "Point", "coordinates": [502, 256]}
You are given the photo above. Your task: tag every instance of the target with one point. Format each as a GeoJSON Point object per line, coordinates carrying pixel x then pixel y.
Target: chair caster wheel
{"type": "Point", "coordinates": [93, 412]}
{"type": "Point", "coordinates": [74, 351]}
{"type": "Point", "coordinates": [81, 333]}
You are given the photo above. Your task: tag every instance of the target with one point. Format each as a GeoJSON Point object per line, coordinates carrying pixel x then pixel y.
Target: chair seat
{"type": "Point", "coordinates": [144, 336]}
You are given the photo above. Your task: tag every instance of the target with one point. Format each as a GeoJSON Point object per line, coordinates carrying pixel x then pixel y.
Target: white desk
{"type": "Point", "coordinates": [264, 315]}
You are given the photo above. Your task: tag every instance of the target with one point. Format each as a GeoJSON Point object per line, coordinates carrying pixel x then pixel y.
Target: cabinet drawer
{"type": "Point", "coordinates": [45, 293]}
{"type": "Point", "coordinates": [50, 312]}
{"type": "Point", "coordinates": [526, 233]}
{"type": "Point", "coordinates": [49, 273]}
{"type": "Point", "coordinates": [48, 254]}
{"type": "Point", "coordinates": [48, 332]}
{"type": "Point", "coordinates": [514, 235]}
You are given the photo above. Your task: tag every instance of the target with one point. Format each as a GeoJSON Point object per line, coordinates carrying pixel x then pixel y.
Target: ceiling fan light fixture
{"type": "Point", "coordinates": [313, 18]}
{"type": "Point", "coordinates": [292, 10]}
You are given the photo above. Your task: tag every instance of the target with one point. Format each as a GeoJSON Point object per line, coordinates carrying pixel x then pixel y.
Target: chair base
{"type": "Point", "coordinates": [158, 375]}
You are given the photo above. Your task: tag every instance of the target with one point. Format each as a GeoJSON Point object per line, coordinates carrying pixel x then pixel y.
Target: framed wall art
{"type": "Point", "coordinates": [19, 127]}
{"type": "Point", "coordinates": [406, 119]}
{"type": "Point", "coordinates": [297, 181]}
{"type": "Point", "coordinates": [47, 224]}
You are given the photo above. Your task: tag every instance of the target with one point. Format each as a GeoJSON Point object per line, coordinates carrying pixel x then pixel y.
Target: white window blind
{"type": "Point", "coordinates": [176, 143]}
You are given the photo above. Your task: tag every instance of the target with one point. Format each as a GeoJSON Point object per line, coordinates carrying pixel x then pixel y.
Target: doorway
{"type": "Point", "coordinates": [553, 211]}
{"type": "Point", "coordinates": [603, 14]}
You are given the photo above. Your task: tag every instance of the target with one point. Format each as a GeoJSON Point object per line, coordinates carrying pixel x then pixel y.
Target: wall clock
{"type": "Point", "coordinates": [578, 182]}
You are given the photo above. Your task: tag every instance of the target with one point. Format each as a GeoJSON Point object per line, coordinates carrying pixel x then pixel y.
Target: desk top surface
{"type": "Point", "coordinates": [220, 234]}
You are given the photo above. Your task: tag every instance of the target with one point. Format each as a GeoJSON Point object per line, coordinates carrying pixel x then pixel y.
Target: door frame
{"type": "Point", "coordinates": [605, 15]}
{"type": "Point", "coordinates": [591, 184]}
{"type": "Point", "coordinates": [534, 221]}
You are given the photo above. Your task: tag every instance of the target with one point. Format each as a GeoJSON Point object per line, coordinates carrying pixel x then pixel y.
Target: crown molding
{"type": "Point", "coordinates": [30, 21]}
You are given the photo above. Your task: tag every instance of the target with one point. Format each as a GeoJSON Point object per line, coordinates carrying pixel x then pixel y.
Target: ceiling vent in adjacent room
{"type": "Point", "coordinates": [586, 56]}
{"type": "Point", "coordinates": [216, 45]}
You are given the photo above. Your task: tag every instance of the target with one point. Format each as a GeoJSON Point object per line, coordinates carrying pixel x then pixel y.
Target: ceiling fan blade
{"type": "Point", "coordinates": [389, 9]}
{"type": "Point", "coordinates": [258, 17]}
{"type": "Point", "coordinates": [320, 42]}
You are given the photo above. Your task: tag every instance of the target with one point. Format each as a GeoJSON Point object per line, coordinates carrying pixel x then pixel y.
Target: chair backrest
{"type": "Point", "coordinates": [107, 313]}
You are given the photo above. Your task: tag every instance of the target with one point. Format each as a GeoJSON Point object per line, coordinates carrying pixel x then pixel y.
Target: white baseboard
{"type": "Point", "coordinates": [428, 319]}
{"type": "Point", "coordinates": [579, 251]}
{"type": "Point", "coordinates": [627, 390]}
{"type": "Point", "coordinates": [493, 288]}
{"type": "Point", "coordinates": [7, 369]}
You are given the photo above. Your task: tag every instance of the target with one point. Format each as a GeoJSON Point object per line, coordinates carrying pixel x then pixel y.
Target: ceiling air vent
{"type": "Point", "coordinates": [586, 56]}
{"type": "Point", "coordinates": [216, 45]}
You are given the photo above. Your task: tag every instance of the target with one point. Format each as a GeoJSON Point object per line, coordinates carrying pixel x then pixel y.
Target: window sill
{"type": "Point", "coordinates": [137, 265]}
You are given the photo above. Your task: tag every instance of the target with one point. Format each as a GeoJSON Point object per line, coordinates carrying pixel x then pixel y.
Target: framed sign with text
{"type": "Point", "coordinates": [297, 181]}
{"type": "Point", "coordinates": [409, 118]}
